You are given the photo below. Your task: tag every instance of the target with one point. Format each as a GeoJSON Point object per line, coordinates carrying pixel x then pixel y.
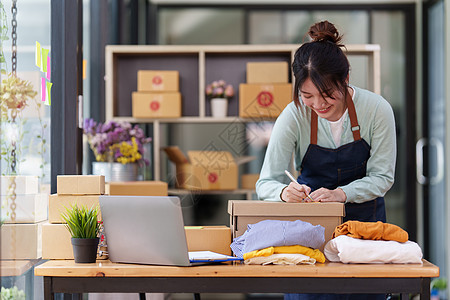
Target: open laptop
{"type": "Point", "coordinates": [149, 230]}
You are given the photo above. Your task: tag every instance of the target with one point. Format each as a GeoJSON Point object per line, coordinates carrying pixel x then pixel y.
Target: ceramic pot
{"type": "Point", "coordinates": [84, 250]}
{"type": "Point", "coordinates": [116, 171]}
{"type": "Point", "coordinates": [219, 107]}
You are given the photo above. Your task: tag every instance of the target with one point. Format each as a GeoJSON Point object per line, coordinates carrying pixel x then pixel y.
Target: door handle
{"type": "Point", "coordinates": [421, 179]}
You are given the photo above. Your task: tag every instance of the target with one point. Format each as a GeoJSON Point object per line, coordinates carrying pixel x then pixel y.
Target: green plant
{"type": "Point", "coordinates": [439, 284]}
{"type": "Point", "coordinates": [12, 294]}
{"type": "Point", "coordinates": [81, 221]}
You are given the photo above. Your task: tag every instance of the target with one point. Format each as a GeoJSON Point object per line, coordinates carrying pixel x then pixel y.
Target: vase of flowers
{"type": "Point", "coordinates": [219, 92]}
{"type": "Point", "coordinates": [118, 149]}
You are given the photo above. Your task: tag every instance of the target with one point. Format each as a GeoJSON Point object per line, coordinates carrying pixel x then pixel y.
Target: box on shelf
{"type": "Point", "coordinates": [138, 188]}
{"type": "Point", "coordinates": [263, 100]}
{"type": "Point", "coordinates": [242, 213]}
{"type": "Point", "coordinates": [205, 170]}
{"type": "Point", "coordinates": [58, 204]}
{"type": "Point", "coordinates": [209, 238]}
{"type": "Point", "coordinates": [268, 72]}
{"type": "Point", "coordinates": [248, 181]}
{"type": "Point", "coordinates": [156, 105]}
{"type": "Point", "coordinates": [29, 208]}
{"type": "Point", "coordinates": [25, 185]}
{"type": "Point", "coordinates": [21, 241]}
{"type": "Point", "coordinates": [80, 184]}
{"type": "Point", "coordinates": [158, 80]}
{"type": "Point", "coordinates": [56, 242]}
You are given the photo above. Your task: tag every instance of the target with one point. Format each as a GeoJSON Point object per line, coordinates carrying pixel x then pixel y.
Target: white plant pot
{"type": "Point", "coordinates": [219, 107]}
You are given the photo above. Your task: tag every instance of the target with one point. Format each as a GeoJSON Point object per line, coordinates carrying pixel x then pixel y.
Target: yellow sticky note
{"type": "Point", "coordinates": [38, 54]}
{"type": "Point", "coordinates": [193, 227]}
{"type": "Point", "coordinates": [48, 100]}
{"type": "Point", "coordinates": [44, 60]}
{"type": "Point", "coordinates": [84, 68]}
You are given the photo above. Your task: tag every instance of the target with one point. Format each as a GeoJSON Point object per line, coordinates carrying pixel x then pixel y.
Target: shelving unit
{"type": "Point", "coordinates": [198, 66]}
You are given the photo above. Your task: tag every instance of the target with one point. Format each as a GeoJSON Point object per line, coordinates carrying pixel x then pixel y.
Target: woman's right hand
{"type": "Point", "coordinates": [296, 192]}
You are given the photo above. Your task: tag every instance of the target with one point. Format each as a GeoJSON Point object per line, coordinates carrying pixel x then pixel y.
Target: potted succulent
{"type": "Point", "coordinates": [219, 92]}
{"type": "Point", "coordinates": [118, 148]}
{"type": "Point", "coordinates": [84, 228]}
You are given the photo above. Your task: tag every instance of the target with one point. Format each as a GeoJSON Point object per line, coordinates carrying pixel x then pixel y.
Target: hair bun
{"type": "Point", "coordinates": [324, 31]}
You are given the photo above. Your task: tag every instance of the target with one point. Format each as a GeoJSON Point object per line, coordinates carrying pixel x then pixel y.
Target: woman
{"type": "Point", "coordinates": [342, 137]}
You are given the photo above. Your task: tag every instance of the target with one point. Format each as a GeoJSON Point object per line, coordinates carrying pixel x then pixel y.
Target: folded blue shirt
{"type": "Point", "coordinates": [274, 233]}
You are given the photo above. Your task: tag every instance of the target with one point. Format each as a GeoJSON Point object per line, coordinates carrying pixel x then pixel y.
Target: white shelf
{"type": "Point", "coordinates": [182, 192]}
{"type": "Point", "coordinates": [193, 120]}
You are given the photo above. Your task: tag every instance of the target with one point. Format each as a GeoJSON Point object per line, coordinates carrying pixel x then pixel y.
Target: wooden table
{"type": "Point", "coordinates": [106, 277]}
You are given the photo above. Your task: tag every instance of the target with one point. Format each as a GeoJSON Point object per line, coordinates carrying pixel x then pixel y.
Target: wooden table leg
{"type": "Point", "coordinates": [48, 293]}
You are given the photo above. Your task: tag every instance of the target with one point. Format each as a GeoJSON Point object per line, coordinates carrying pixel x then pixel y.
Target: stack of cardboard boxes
{"type": "Point", "coordinates": [23, 216]}
{"type": "Point", "coordinates": [267, 91]}
{"type": "Point", "coordinates": [71, 189]}
{"type": "Point", "coordinates": [158, 95]}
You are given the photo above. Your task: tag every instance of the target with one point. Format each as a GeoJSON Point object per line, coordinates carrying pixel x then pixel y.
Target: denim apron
{"type": "Point", "coordinates": [330, 168]}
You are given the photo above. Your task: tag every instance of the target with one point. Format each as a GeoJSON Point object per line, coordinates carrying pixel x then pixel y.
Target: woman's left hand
{"type": "Point", "coordinates": [326, 195]}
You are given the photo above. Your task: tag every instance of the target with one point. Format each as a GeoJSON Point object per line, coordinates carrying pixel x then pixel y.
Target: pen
{"type": "Point", "coordinates": [293, 180]}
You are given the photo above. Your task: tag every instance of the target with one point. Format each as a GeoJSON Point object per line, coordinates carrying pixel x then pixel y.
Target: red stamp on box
{"type": "Point", "coordinates": [157, 80]}
{"type": "Point", "coordinates": [212, 177]}
{"type": "Point", "coordinates": [154, 105]}
{"type": "Point", "coordinates": [265, 99]}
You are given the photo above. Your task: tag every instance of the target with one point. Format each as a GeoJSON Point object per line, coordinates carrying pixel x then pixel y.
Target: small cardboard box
{"type": "Point", "coordinates": [58, 203]}
{"type": "Point", "coordinates": [243, 212]}
{"type": "Point", "coordinates": [209, 238]}
{"type": "Point", "coordinates": [204, 170]}
{"type": "Point", "coordinates": [158, 81]}
{"type": "Point", "coordinates": [25, 185]}
{"type": "Point", "coordinates": [56, 242]}
{"type": "Point", "coordinates": [156, 105]}
{"type": "Point", "coordinates": [268, 72]}
{"type": "Point", "coordinates": [21, 241]}
{"type": "Point", "coordinates": [29, 208]}
{"type": "Point", "coordinates": [138, 188]}
{"type": "Point", "coordinates": [248, 181]}
{"type": "Point", "coordinates": [80, 184]}
{"type": "Point", "coordinates": [263, 100]}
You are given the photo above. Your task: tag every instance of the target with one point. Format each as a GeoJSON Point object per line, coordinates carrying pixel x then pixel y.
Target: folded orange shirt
{"type": "Point", "coordinates": [371, 231]}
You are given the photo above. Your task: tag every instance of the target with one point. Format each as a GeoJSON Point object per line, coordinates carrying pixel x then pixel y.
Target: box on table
{"type": "Point", "coordinates": [243, 212]}
{"type": "Point", "coordinates": [21, 241]}
{"type": "Point", "coordinates": [268, 72]}
{"type": "Point", "coordinates": [156, 105]}
{"type": "Point", "coordinates": [29, 208]}
{"type": "Point", "coordinates": [58, 204]}
{"type": "Point", "coordinates": [25, 185]}
{"type": "Point", "coordinates": [80, 184]}
{"type": "Point", "coordinates": [248, 181]}
{"type": "Point", "coordinates": [205, 170]}
{"type": "Point", "coordinates": [263, 100]}
{"type": "Point", "coordinates": [157, 80]}
{"type": "Point", "coordinates": [209, 238]}
{"type": "Point", "coordinates": [138, 188]}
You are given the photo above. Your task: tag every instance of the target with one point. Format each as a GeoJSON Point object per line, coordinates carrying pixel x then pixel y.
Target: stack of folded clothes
{"type": "Point", "coordinates": [280, 242]}
{"type": "Point", "coordinates": [371, 242]}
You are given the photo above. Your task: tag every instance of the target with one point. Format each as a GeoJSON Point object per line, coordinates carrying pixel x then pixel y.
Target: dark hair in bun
{"type": "Point", "coordinates": [322, 60]}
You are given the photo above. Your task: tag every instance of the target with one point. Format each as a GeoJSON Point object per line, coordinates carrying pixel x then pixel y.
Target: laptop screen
{"type": "Point", "coordinates": [144, 229]}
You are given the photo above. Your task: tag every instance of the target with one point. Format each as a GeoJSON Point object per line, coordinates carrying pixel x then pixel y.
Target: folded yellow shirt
{"type": "Point", "coordinates": [313, 253]}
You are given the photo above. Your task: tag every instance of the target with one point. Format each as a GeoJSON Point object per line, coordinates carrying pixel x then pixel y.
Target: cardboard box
{"type": "Point", "coordinates": [58, 203]}
{"type": "Point", "coordinates": [80, 185]}
{"type": "Point", "coordinates": [268, 72]}
{"type": "Point", "coordinates": [263, 100]}
{"type": "Point", "coordinates": [204, 170]}
{"type": "Point", "coordinates": [139, 188]}
{"type": "Point", "coordinates": [243, 212]}
{"type": "Point", "coordinates": [21, 241]}
{"type": "Point", "coordinates": [248, 181]}
{"type": "Point", "coordinates": [158, 81]}
{"type": "Point", "coordinates": [209, 238]}
{"type": "Point", "coordinates": [156, 105]}
{"type": "Point", "coordinates": [25, 185]}
{"type": "Point", "coordinates": [56, 242]}
{"type": "Point", "coordinates": [29, 208]}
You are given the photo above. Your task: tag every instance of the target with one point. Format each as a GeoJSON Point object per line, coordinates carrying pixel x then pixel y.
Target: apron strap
{"type": "Point", "coordinates": [353, 121]}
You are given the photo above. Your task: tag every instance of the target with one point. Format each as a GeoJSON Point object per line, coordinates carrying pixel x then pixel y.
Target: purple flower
{"type": "Point", "coordinates": [219, 89]}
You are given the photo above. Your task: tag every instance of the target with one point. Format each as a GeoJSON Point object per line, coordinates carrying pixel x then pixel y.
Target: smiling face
{"type": "Point", "coordinates": [330, 107]}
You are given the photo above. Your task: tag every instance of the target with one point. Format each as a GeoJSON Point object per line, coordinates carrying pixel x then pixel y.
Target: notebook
{"type": "Point", "coordinates": [149, 230]}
